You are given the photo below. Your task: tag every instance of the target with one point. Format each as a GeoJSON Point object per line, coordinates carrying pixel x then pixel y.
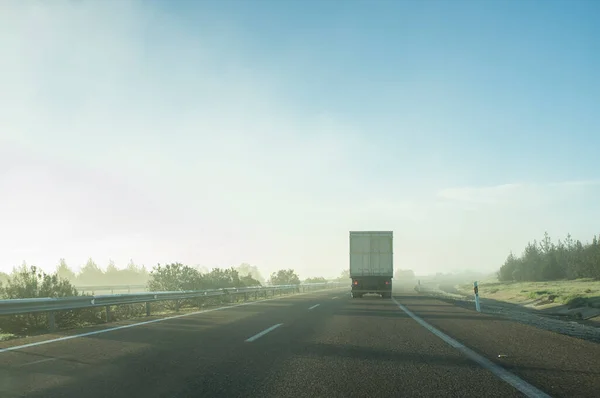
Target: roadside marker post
{"type": "Point", "coordinates": [476, 291]}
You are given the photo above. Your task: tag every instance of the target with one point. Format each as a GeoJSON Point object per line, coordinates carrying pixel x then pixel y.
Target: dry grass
{"type": "Point", "coordinates": [573, 293]}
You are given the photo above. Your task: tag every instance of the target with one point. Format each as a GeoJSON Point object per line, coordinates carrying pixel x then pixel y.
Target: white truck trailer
{"type": "Point", "coordinates": [371, 262]}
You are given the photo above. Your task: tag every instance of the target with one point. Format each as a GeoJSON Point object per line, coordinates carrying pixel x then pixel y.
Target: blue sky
{"type": "Point", "coordinates": [482, 78]}
{"type": "Point", "coordinates": [221, 132]}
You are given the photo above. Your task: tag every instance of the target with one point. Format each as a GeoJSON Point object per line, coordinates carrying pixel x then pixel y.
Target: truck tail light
{"type": "Point", "coordinates": [356, 282]}
{"type": "Point", "coordinates": [387, 282]}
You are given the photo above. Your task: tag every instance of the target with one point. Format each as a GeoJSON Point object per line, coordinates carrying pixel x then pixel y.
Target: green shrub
{"type": "Point", "coordinates": [32, 283]}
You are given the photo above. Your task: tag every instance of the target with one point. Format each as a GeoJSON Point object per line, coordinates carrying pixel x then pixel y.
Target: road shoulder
{"type": "Point", "coordinates": [558, 364]}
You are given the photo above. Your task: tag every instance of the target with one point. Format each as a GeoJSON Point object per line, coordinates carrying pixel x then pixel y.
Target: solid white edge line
{"type": "Point", "coordinates": [333, 298]}
{"type": "Point", "coordinates": [258, 335]}
{"type": "Point", "coordinates": [314, 306]}
{"type": "Point", "coordinates": [132, 325]}
{"type": "Point", "coordinates": [503, 374]}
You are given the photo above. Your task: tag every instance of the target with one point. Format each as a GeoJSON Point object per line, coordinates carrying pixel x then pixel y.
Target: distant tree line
{"type": "Point", "coordinates": [344, 276]}
{"type": "Point", "coordinates": [546, 261]}
{"type": "Point", "coordinates": [318, 279]}
{"type": "Point", "coordinates": [92, 274]}
{"type": "Point", "coordinates": [404, 275]}
{"type": "Point", "coordinates": [176, 276]}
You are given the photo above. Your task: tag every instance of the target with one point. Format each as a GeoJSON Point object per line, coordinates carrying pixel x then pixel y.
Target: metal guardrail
{"type": "Point", "coordinates": [112, 288]}
{"type": "Point", "coordinates": [51, 305]}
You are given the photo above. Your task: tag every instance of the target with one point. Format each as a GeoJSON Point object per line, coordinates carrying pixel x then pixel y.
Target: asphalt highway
{"type": "Point", "coordinates": [320, 344]}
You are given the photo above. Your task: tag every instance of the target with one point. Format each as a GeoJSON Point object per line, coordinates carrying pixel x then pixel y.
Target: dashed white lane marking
{"type": "Point", "coordinates": [314, 306]}
{"type": "Point", "coordinates": [259, 335]}
{"type": "Point", "coordinates": [39, 361]}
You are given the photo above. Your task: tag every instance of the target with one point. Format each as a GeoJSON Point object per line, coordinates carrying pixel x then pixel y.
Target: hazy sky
{"type": "Point", "coordinates": [221, 132]}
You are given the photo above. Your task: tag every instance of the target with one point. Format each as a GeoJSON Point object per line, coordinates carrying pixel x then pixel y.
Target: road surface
{"type": "Point", "coordinates": [320, 344]}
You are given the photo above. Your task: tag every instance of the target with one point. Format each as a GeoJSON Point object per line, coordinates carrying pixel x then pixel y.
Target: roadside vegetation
{"type": "Point", "coordinates": [31, 282]}
{"type": "Point", "coordinates": [572, 294]}
{"type": "Point", "coordinates": [564, 274]}
{"type": "Point", "coordinates": [548, 261]}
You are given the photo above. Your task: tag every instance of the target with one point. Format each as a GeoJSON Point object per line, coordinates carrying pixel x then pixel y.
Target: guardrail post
{"type": "Point", "coordinates": [177, 305]}
{"type": "Point", "coordinates": [51, 321]}
{"type": "Point", "coordinates": [108, 313]}
{"type": "Point", "coordinates": [255, 295]}
{"type": "Point", "coordinates": [147, 308]}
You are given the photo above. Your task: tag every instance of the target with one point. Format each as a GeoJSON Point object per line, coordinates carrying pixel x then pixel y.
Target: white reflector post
{"type": "Point", "coordinates": [476, 291]}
